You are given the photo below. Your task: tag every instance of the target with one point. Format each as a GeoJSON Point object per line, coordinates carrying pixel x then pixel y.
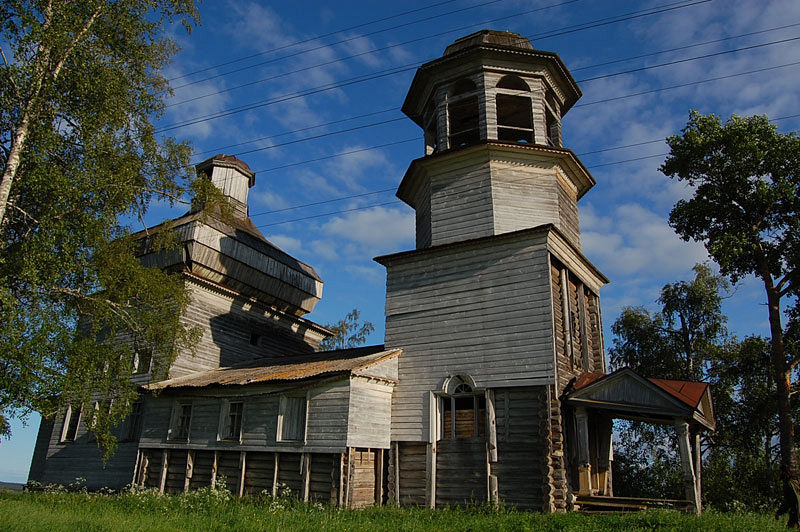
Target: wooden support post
{"type": "Point", "coordinates": [214, 470]}
{"type": "Point", "coordinates": [689, 479]}
{"type": "Point", "coordinates": [164, 464]}
{"type": "Point", "coordinates": [584, 464]}
{"type": "Point", "coordinates": [342, 484]}
{"type": "Point", "coordinates": [491, 422]}
{"type": "Point", "coordinates": [187, 479]}
{"type": "Point", "coordinates": [137, 465]}
{"type": "Point", "coordinates": [143, 468]}
{"type": "Point", "coordinates": [335, 479]}
{"type": "Point", "coordinates": [698, 470]}
{"type": "Point", "coordinates": [379, 457]}
{"type": "Point", "coordinates": [275, 475]}
{"type": "Point", "coordinates": [396, 469]}
{"type": "Point", "coordinates": [306, 475]}
{"type": "Point", "coordinates": [430, 478]}
{"type": "Point", "coordinates": [242, 468]}
{"type": "Point", "coordinates": [351, 472]}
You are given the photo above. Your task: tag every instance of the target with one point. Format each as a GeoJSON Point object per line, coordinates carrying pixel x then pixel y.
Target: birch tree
{"type": "Point", "coordinates": [80, 82]}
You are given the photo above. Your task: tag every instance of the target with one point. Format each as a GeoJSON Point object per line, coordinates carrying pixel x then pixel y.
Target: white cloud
{"type": "Point", "coordinates": [376, 230]}
{"type": "Point", "coordinates": [290, 245]}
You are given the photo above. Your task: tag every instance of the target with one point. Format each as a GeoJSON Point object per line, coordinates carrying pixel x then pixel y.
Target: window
{"type": "Point", "coordinates": [230, 426]}
{"type": "Point", "coordinates": [181, 422]}
{"type": "Point", "coordinates": [133, 428]}
{"type": "Point", "coordinates": [513, 82]}
{"type": "Point", "coordinates": [142, 360]}
{"type": "Point", "coordinates": [463, 410]}
{"type": "Point", "coordinates": [463, 114]}
{"type": "Point", "coordinates": [292, 418]}
{"type": "Point", "coordinates": [514, 118]}
{"type": "Point", "coordinates": [72, 417]}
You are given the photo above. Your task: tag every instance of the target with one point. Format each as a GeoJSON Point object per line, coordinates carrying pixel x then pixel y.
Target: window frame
{"type": "Point", "coordinates": [66, 426]}
{"type": "Point", "coordinates": [134, 423]}
{"type": "Point", "coordinates": [174, 433]}
{"type": "Point", "coordinates": [452, 390]}
{"type": "Point", "coordinates": [282, 411]}
{"type": "Point", "coordinates": [224, 433]}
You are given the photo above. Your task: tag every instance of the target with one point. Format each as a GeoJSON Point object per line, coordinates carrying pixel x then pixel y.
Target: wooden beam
{"type": "Point", "coordinates": [698, 470]}
{"type": "Point", "coordinates": [342, 484]}
{"type": "Point", "coordinates": [164, 464]}
{"type": "Point", "coordinates": [430, 477]}
{"type": "Point", "coordinates": [214, 470]}
{"type": "Point", "coordinates": [143, 468]}
{"type": "Point", "coordinates": [242, 467]}
{"type": "Point", "coordinates": [275, 475]}
{"type": "Point", "coordinates": [379, 457]}
{"type": "Point", "coordinates": [306, 470]}
{"type": "Point", "coordinates": [584, 463]}
{"type": "Point", "coordinates": [189, 470]}
{"type": "Point", "coordinates": [396, 472]}
{"type": "Point", "coordinates": [491, 422]}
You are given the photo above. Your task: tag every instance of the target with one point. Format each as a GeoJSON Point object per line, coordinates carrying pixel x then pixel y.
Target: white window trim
{"type": "Point", "coordinates": [65, 427]}
{"type": "Point", "coordinates": [282, 410]}
{"type": "Point", "coordinates": [224, 413]}
{"type": "Point", "coordinates": [175, 418]}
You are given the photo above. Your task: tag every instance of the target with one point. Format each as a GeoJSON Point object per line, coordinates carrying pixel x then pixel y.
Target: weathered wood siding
{"type": "Point", "coordinates": [236, 330]}
{"type": "Point", "coordinates": [362, 478]}
{"type": "Point", "coordinates": [326, 428]}
{"type": "Point", "coordinates": [480, 310]}
{"type": "Point", "coordinates": [370, 418]}
{"type": "Point", "coordinates": [81, 458]}
{"type": "Point", "coordinates": [460, 203]}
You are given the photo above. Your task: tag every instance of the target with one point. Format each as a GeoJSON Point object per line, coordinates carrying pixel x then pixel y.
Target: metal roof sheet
{"type": "Point", "coordinates": [283, 369]}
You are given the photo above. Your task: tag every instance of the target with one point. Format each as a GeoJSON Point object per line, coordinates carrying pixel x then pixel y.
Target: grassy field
{"type": "Point", "coordinates": [213, 511]}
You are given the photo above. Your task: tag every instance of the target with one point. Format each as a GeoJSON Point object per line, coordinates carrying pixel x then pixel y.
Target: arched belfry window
{"type": "Point", "coordinates": [514, 110]}
{"type": "Point", "coordinates": [463, 409]}
{"type": "Point", "coordinates": [513, 82]}
{"type": "Point", "coordinates": [463, 114]}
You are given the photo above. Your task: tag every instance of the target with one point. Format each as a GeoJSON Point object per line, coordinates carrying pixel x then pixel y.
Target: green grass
{"type": "Point", "coordinates": [211, 511]}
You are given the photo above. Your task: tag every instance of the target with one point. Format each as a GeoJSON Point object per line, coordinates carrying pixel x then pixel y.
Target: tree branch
{"type": "Point", "coordinates": [10, 77]}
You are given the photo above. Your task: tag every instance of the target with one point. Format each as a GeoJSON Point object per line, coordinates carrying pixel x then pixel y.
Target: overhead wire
{"type": "Point", "coordinates": [411, 66]}
{"type": "Point", "coordinates": [309, 39]}
{"type": "Point", "coordinates": [576, 69]}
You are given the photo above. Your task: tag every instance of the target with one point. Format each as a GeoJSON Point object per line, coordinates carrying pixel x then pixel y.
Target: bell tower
{"type": "Point", "coordinates": [496, 310]}
{"type": "Point", "coordinates": [492, 107]}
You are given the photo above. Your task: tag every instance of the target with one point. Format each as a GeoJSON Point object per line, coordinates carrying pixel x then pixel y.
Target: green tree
{"type": "Point", "coordinates": [81, 82]}
{"type": "Point", "coordinates": [348, 332]}
{"type": "Point", "coordinates": [746, 181]}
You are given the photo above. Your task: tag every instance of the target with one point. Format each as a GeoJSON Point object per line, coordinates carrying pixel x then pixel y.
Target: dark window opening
{"type": "Point", "coordinates": [431, 138]}
{"type": "Point", "coordinates": [183, 420]}
{"type": "Point", "coordinates": [233, 422]}
{"type": "Point", "coordinates": [143, 359]}
{"type": "Point", "coordinates": [254, 338]}
{"type": "Point", "coordinates": [551, 124]}
{"type": "Point", "coordinates": [514, 118]}
{"type": "Point", "coordinates": [463, 121]}
{"type": "Point", "coordinates": [71, 419]}
{"type": "Point", "coordinates": [134, 428]}
{"type": "Point", "coordinates": [463, 86]}
{"type": "Point", "coordinates": [513, 82]}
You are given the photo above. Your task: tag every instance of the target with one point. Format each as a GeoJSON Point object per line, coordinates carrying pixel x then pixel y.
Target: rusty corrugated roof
{"type": "Point", "coordinates": [283, 369]}
{"type": "Point", "coordinates": [688, 392]}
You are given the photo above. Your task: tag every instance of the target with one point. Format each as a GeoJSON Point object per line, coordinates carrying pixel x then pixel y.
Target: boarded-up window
{"type": "Point", "coordinates": [71, 419]}
{"type": "Point", "coordinates": [292, 418]}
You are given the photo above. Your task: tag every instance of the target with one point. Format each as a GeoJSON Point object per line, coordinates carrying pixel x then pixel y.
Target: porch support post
{"type": "Point", "coordinates": [584, 465]}
{"type": "Point", "coordinates": [689, 478]}
{"type": "Point", "coordinates": [698, 468]}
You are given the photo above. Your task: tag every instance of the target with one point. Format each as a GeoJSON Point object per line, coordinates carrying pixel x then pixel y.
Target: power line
{"type": "Point", "coordinates": [295, 43]}
{"type": "Point", "coordinates": [384, 73]}
{"type": "Point", "coordinates": [686, 47]}
{"type": "Point", "coordinates": [686, 60]}
{"type": "Point", "coordinates": [682, 85]}
{"type": "Point", "coordinates": [346, 58]}
{"type": "Point", "coordinates": [320, 47]}
{"type": "Point", "coordinates": [574, 70]}
{"type": "Point", "coordinates": [336, 155]}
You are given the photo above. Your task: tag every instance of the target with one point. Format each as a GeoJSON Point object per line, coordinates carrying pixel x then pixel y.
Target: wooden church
{"type": "Point", "coordinates": [491, 385]}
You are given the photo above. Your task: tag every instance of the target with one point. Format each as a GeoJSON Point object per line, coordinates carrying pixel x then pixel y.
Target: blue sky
{"type": "Point", "coordinates": [623, 219]}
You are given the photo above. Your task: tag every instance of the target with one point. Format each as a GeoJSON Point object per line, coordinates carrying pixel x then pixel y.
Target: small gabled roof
{"type": "Point", "coordinates": [625, 392]}
{"type": "Point", "coordinates": [290, 368]}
